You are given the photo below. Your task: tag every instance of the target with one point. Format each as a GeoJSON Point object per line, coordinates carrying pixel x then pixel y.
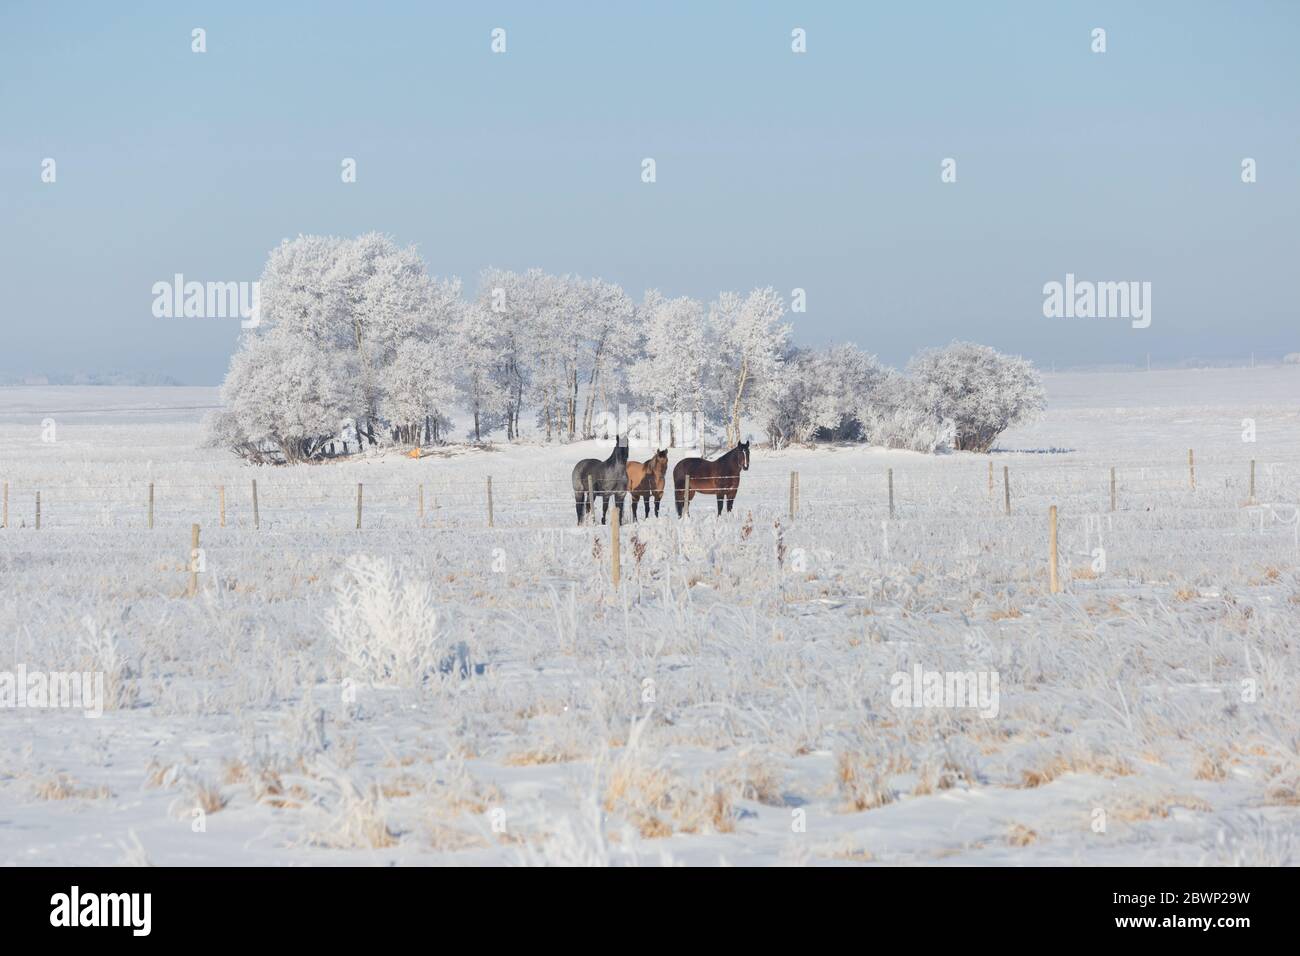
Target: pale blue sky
{"type": "Point", "coordinates": [818, 170]}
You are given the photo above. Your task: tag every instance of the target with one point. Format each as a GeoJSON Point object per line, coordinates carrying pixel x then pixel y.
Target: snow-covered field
{"type": "Point", "coordinates": [434, 690]}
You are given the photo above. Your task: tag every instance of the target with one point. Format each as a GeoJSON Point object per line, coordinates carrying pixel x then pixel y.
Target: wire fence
{"type": "Point", "coordinates": [1221, 497]}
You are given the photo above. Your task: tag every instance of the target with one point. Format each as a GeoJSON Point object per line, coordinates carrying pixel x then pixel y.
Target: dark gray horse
{"type": "Point", "coordinates": [608, 477]}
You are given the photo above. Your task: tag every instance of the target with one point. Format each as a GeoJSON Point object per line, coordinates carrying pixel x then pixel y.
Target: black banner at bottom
{"type": "Point", "coordinates": [302, 905]}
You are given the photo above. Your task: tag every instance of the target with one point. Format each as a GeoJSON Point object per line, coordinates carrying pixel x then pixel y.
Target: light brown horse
{"type": "Point", "coordinates": [645, 479]}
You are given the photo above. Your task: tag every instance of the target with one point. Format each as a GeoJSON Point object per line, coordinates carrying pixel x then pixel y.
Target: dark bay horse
{"type": "Point", "coordinates": [645, 479]}
{"type": "Point", "coordinates": [608, 477]}
{"type": "Point", "coordinates": [720, 477]}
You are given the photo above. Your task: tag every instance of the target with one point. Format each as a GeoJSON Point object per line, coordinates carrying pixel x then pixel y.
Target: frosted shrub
{"type": "Point", "coordinates": [894, 416]}
{"type": "Point", "coordinates": [101, 653]}
{"type": "Point", "coordinates": [911, 429]}
{"type": "Point", "coordinates": [980, 390]}
{"type": "Point", "coordinates": [384, 627]}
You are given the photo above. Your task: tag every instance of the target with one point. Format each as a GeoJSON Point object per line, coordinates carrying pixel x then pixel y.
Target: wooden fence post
{"type": "Point", "coordinates": [591, 501]}
{"type": "Point", "coordinates": [613, 546]}
{"type": "Point", "coordinates": [1051, 549]}
{"type": "Point", "coordinates": [421, 504]}
{"type": "Point", "coordinates": [1191, 469]}
{"type": "Point", "coordinates": [489, 490]}
{"type": "Point", "coordinates": [792, 481]}
{"type": "Point", "coordinates": [358, 506]}
{"type": "Point", "coordinates": [1252, 489]}
{"type": "Point", "coordinates": [222, 491]}
{"type": "Point", "coordinates": [1112, 487]}
{"type": "Point", "coordinates": [891, 493]}
{"type": "Point", "coordinates": [257, 520]}
{"type": "Point", "coordinates": [686, 497]}
{"type": "Point", "coordinates": [990, 477]}
{"type": "Point", "coordinates": [1006, 487]}
{"type": "Point", "coordinates": [151, 504]}
{"type": "Point", "coordinates": [38, 511]}
{"type": "Point", "coordinates": [194, 560]}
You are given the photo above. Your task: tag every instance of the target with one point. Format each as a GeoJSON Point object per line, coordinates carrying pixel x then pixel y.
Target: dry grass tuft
{"type": "Point", "coordinates": [1211, 765]}
{"type": "Point", "coordinates": [755, 776]}
{"type": "Point", "coordinates": [63, 787]}
{"type": "Point", "coordinates": [861, 786]}
{"type": "Point", "coordinates": [539, 756]}
{"type": "Point", "coordinates": [447, 839]}
{"type": "Point", "coordinates": [1020, 835]}
{"type": "Point", "coordinates": [1097, 762]}
{"type": "Point", "coordinates": [1137, 808]}
{"type": "Point", "coordinates": [207, 796]}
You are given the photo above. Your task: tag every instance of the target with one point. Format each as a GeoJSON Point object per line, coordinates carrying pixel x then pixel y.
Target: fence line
{"type": "Point", "coordinates": [936, 490]}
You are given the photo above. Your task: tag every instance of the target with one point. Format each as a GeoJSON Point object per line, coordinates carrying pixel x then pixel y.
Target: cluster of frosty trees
{"type": "Point", "coordinates": [358, 344]}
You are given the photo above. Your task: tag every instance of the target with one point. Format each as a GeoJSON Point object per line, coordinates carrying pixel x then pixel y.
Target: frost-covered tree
{"type": "Point", "coordinates": [282, 393]}
{"type": "Point", "coordinates": [670, 377]}
{"type": "Point", "coordinates": [347, 328]}
{"type": "Point", "coordinates": [355, 336]}
{"type": "Point", "coordinates": [418, 380]}
{"type": "Point", "coordinates": [515, 303]}
{"type": "Point", "coordinates": [481, 391]}
{"type": "Point", "coordinates": [298, 298]}
{"type": "Point", "coordinates": [981, 391]}
{"type": "Point", "coordinates": [793, 407]}
{"type": "Point", "coordinates": [383, 293]}
{"type": "Point", "coordinates": [554, 336]}
{"type": "Point", "coordinates": [547, 328]}
{"type": "Point", "coordinates": [418, 389]}
{"type": "Point", "coordinates": [606, 329]}
{"type": "Point", "coordinates": [749, 342]}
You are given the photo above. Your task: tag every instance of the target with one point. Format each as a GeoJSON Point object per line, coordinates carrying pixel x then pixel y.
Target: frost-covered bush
{"type": "Point", "coordinates": [221, 429]}
{"type": "Point", "coordinates": [823, 394]}
{"type": "Point", "coordinates": [908, 429]}
{"type": "Point", "coordinates": [960, 397]}
{"type": "Point", "coordinates": [981, 391]}
{"type": "Point", "coordinates": [384, 627]}
{"type": "Point", "coordinates": [895, 418]}
{"type": "Point", "coordinates": [1291, 358]}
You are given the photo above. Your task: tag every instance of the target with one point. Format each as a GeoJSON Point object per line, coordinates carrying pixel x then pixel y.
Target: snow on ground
{"type": "Point", "coordinates": [434, 690]}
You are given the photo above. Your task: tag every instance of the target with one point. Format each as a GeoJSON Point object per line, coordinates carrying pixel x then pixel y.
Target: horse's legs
{"type": "Point", "coordinates": [618, 503]}
{"type": "Point", "coordinates": [731, 500]}
{"type": "Point", "coordinates": [604, 507]}
{"type": "Point", "coordinates": [719, 502]}
{"type": "Point", "coordinates": [634, 502]}
{"type": "Point", "coordinates": [579, 501]}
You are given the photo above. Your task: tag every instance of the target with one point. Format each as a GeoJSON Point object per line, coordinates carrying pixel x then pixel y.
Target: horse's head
{"type": "Point", "coordinates": [744, 455]}
{"type": "Point", "coordinates": [659, 463]}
